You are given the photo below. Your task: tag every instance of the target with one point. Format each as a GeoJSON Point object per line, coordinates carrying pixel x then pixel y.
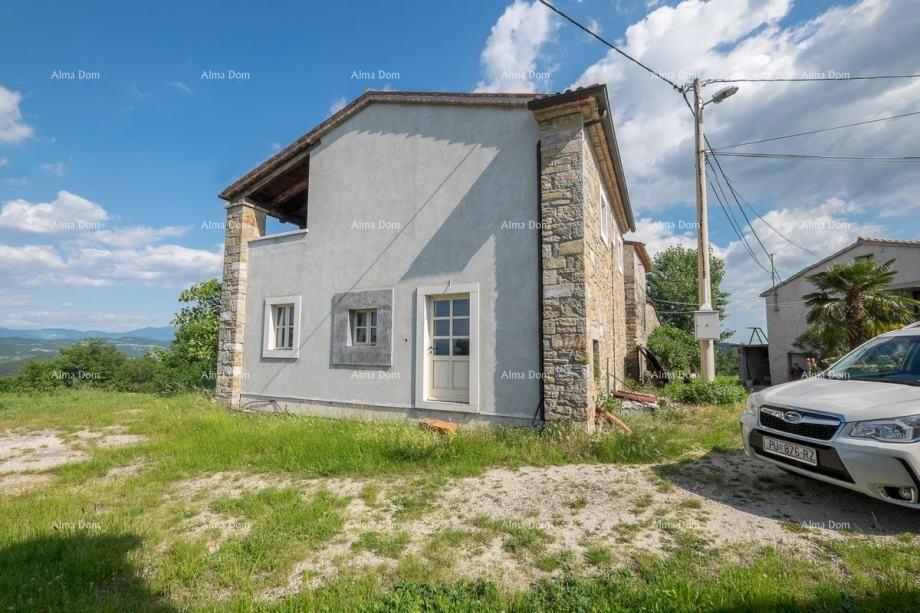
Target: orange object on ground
{"type": "Point", "coordinates": [438, 425]}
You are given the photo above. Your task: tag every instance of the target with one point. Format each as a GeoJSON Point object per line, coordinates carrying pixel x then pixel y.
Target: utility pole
{"type": "Point", "coordinates": [704, 288]}
{"type": "Point", "coordinates": [773, 283]}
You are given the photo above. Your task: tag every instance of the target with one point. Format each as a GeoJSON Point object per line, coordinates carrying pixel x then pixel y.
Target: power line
{"type": "Point", "coordinates": [763, 219]}
{"type": "Point", "coordinates": [849, 125]}
{"type": "Point", "coordinates": [735, 196]}
{"type": "Point", "coordinates": [611, 45]}
{"type": "Point", "coordinates": [805, 79]}
{"type": "Point", "coordinates": [829, 158]}
{"type": "Point", "coordinates": [735, 225]}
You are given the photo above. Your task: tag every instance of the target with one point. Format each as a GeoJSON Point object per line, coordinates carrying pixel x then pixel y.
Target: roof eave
{"type": "Point", "coordinates": [312, 138]}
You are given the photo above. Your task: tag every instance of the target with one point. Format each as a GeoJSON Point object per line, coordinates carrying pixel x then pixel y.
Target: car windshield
{"type": "Point", "coordinates": [893, 359]}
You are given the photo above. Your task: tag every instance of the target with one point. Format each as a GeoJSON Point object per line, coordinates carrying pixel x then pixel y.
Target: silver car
{"type": "Point", "coordinates": [856, 425]}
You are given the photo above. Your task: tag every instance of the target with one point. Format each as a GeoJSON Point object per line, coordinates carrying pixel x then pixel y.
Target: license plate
{"type": "Point", "coordinates": [790, 450]}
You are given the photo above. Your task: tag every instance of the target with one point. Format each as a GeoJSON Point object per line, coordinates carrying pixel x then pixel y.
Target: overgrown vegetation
{"type": "Point", "coordinates": [189, 363]}
{"type": "Point", "coordinates": [679, 354]}
{"type": "Point", "coordinates": [724, 390]}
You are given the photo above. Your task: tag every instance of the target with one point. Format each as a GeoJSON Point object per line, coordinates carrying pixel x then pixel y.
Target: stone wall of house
{"type": "Point", "coordinates": [605, 291]}
{"type": "Point", "coordinates": [641, 318]}
{"type": "Point", "coordinates": [244, 223]}
{"type": "Point", "coordinates": [566, 368]}
{"type": "Point", "coordinates": [636, 315]}
{"type": "Point", "coordinates": [584, 310]}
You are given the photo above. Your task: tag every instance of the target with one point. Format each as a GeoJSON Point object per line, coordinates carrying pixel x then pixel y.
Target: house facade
{"type": "Point", "coordinates": [457, 256]}
{"type": "Point", "coordinates": [786, 310]}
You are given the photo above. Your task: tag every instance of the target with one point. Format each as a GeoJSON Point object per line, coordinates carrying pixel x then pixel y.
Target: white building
{"type": "Point", "coordinates": [786, 310]}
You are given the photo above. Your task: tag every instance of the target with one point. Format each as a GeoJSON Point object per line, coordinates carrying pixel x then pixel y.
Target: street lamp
{"type": "Point", "coordinates": [722, 94]}
{"type": "Point", "coordinates": [706, 323]}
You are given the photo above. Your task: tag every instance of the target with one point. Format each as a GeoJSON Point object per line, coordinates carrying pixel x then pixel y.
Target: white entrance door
{"type": "Point", "coordinates": [449, 352]}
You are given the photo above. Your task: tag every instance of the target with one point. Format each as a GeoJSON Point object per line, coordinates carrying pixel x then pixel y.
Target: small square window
{"type": "Point", "coordinates": [363, 326]}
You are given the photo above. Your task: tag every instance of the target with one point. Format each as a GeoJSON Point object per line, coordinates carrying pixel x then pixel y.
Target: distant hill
{"type": "Point", "coordinates": [16, 351]}
{"type": "Point", "coordinates": [164, 333]}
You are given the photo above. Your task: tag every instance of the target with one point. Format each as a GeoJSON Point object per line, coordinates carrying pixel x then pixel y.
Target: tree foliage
{"type": "Point", "coordinates": [676, 349]}
{"type": "Point", "coordinates": [856, 294]}
{"type": "Point", "coordinates": [672, 287]}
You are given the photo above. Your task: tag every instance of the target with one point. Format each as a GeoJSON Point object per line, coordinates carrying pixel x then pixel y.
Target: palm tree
{"type": "Point", "coordinates": [856, 295]}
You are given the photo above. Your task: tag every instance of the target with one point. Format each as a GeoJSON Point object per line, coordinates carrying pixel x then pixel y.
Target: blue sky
{"type": "Point", "coordinates": [140, 153]}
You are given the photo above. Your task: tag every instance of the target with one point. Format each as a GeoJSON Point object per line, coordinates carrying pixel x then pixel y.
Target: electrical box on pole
{"type": "Point", "coordinates": [706, 325]}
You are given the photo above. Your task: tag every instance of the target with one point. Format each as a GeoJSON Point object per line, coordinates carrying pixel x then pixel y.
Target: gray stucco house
{"type": "Point", "coordinates": [457, 256]}
{"type": "Point", "coordinates": [786, 310]}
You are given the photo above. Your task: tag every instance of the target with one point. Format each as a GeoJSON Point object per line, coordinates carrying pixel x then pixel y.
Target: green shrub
{"type": "Point", "coordinates": [724, 390]}
{"type": "Point", "coordinates": [676, 349]}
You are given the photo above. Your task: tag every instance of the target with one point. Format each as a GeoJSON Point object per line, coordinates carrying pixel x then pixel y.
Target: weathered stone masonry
{"type": "Point", "coordinates": [245, 222]}
{"type": "Point", "coordinates": [583, 291]}
{"type": "Point", "coordinates": [565, 345]}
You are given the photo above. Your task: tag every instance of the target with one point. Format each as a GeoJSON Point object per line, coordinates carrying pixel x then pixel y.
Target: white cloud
{"type": "Point", "coordinates": [22, 258]}
{"type": "Point", "coordinates": [88, 255]}
{"type": "Point", "coordinates": [509, 60]}
{"type": "Point", "coordinates": [12, 129]}
{"type": "Point", "coordinates": [8, 300]}
{"type": "Point", "coordinates": [135, 236]}
{"type": "Point", "coordinates": [337, 105]}
{"type": "Point", "coordinates": [182, 87]}
{"type": "Point", "coordinates": [736, 38]}
{"type": "Point", "coordinates": [65, 278]}
{"type": "Point", "coordinates": [659, 234]}
{"type": "Point", "coordinates": [153, 265]}
{"type": "Point", "coordinates": [65, 214]}
{"type": "Point", "coordinates": [17, 181]}
{"type": "Point", "coordinates": [726, 38]}
{"type": "Point", "coordinates": [14, 300]}
{"type": "Point", "coordinates": [57, 169]}
{"type": "Point", "coordinates": [4, 162]}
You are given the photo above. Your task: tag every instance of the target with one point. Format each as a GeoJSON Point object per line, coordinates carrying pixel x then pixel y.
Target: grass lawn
{"type": "Point", "coordinates": [110, 532]}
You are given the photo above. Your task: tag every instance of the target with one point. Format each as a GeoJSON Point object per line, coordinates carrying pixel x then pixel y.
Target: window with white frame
{"type": "Point", "coordinates": [283, 318]}
{"type": "Point", "coordinates": [282, 327]}
{"type": "Point", "coordinates": [363, 327]}
{"type": "Point", "coordinates": [605, 216]}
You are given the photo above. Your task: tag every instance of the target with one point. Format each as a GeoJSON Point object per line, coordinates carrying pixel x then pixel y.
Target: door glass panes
{"type": "Point", "coordinates": [461, 307]}
{"type": "Point", "coordinates": [442, 308]}
{"type": "Point", "coordinates": [451, 327]}
{"type": "Point", "coordinates": [442, 346]}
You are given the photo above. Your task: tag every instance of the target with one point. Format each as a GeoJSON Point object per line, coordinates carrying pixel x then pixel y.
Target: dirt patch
{"type": "Point", "coordinates": [517, 526]}
{"type": "Point", "coordinates": [107, 438]}
{"type": "Point", "coordinates": [29, 452]}
{"type": "Point", "coordinates": [36, 451]}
